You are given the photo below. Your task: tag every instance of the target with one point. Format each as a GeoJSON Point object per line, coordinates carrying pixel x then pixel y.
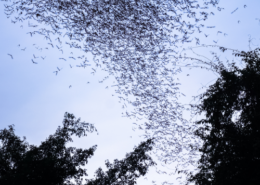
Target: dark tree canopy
{"type": "Point", "coordinates": [231, 129]}
{"type": "Point", "coordinates": [126, 171]}
{"type": "Point", "coordinates": [53, 163]}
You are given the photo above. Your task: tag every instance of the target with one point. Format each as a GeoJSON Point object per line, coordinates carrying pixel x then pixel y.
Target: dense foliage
{"type": "Point", "coordinates": [231, 129]}
{"type": "Point", "coordinates": [53, 163]}
{"type": "Point", "coordinates": [126, 171]}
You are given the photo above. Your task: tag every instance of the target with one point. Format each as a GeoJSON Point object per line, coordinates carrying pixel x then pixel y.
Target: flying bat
{"type": "Point", "coordinates": [234, 11]}
{"type": "Point", "coordinates": [63, 59]}
{"type": "Point", "coordinates": [34, 62]}
{"type": "Point", "coordinates": [35, 56]}
{"type": "Point", "coordinates": [10, 56]}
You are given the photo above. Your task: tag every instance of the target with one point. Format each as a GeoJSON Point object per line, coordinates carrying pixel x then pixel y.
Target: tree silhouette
{"type": "Point", "coordinates": [230, 131]}
{"type": "Point", "coordinates": [55, 164]}
{"type": "Point", "coordinates": [126, 171]}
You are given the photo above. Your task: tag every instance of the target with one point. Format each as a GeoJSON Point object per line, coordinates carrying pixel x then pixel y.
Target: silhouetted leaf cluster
{"type": "Point", "coordinates": [126, 171]}
{"type": "Point", "coordinates": [53, 163]}
{"type": "Point", "coordinates": [231, 129]}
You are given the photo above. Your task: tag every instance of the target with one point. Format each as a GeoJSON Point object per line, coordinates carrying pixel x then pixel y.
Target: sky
{"type": "Point", "coordinates": [34, 98]}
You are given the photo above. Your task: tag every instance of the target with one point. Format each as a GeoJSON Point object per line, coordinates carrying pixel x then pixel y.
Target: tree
{"type": "Point", "coordinates": [54, 164]}
{"type": "Point", "coordinates": [126, 171]}
{"type": "Point", "coordinates": [231, 149]}
{"type": "Point", "coordinates": [133, 40]}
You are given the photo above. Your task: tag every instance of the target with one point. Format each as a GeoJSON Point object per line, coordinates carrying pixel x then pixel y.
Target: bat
{"type": "Point", "coordinates": [234, 11]}
{"type": "Point", "coordinates": [34, 62]}
{"type": "Point", "coordinates": [10, 56]}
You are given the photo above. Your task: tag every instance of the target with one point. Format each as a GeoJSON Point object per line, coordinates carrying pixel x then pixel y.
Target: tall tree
{"type": "Point", "coordinates": [55, 164]}
{"type": "Point", "coordinates": [230, 131]}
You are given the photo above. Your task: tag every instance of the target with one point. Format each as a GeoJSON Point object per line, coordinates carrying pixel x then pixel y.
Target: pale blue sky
{"type": "Point", "coordinates": [34, 99]}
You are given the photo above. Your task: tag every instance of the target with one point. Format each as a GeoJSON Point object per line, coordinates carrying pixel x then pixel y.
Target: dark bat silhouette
{"type": "Point", "coordinates": [31, 33]}
{"type": "Point", "coordinates": [51, 44]}
{"type": "Point", "coordinates": [63, 59]}
{"type": "Point", "coordinates": [10, 56]}
{"type": "Point", "coordinates": [234, 11]}
{"type": "Point", "coordinates": [35, 56]}
{"type": "Point", "coordinates": [34, 62]}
